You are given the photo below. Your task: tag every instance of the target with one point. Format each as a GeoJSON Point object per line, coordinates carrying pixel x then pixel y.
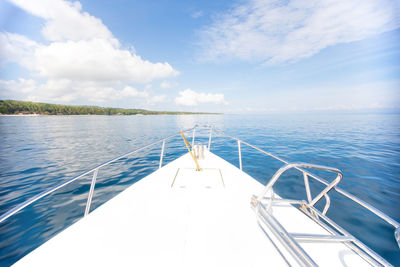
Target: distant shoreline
{"type": "Point", "coordinates": [60, 115]}
{"type": "Point", "coordinates": [22, 115]}
{"type": "Point", "coordinates": [31, 109]}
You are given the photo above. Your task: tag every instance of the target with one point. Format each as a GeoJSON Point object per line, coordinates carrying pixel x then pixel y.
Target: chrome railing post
{"type": "Point", "coordinates": [307, 185]}
{"type": "Point", "coordinates": [328, 203]}
{"type": "Point", "coordinates": [194, 132]}
{"type": "Point", "coordinates": [209, 140]}
{"type": "Point", "coordinates": [240, 155]}
{"type": "Point", "coordinates": [162, 154]}
{"type": "Point", "coordinates": [327, 189]}
{"type": "Point", "coordinates": [90, 196]}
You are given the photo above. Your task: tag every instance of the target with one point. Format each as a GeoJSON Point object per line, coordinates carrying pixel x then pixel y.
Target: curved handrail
{"type": "Point", "coordinates": [362, 203]}
{"type": "Point", "coordinates": [337, 235]}
{"type": "Point", "coordinates": [304, 165]}
{"type": "Point", "coordinates": [35, 198]}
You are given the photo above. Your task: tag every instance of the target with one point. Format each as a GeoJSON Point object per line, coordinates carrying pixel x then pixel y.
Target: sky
{"type": "Point", "coordinates": [245, 56]}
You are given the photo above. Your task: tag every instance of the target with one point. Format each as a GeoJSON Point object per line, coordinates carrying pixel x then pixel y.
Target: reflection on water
{"type": "Point", "coordinates": [38, 152]}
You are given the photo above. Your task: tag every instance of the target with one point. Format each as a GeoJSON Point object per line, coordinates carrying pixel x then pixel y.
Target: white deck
{"type": "Point", "coordinates": [202, 220]}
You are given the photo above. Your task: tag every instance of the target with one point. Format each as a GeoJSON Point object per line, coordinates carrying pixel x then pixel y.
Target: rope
{"type": "Point", "coordinates": [188, 146]}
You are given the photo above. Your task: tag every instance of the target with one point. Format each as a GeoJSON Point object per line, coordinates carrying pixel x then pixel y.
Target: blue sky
{"type": "Point", "coordinates": [221, 56]}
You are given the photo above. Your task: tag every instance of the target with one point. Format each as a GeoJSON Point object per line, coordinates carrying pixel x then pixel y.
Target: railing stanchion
{"type": "Point", "coordinates": [162, 154]}
{"type": "Point", "coordinates": [90, 196]}
{"type": "Point", "coordinates": [240, 155]}
{"type": "Point", "coordinates": [328, 203]}
{"type": "Point", "coordinates": [209, 140]}
{"type": "Point", "coordinates": [194, 132]}
{"type": "Point", "coordinates": [307, 185]}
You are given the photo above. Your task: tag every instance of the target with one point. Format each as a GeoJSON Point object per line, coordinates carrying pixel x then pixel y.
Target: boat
{"type": "Point", "coordinates": [200, 210]}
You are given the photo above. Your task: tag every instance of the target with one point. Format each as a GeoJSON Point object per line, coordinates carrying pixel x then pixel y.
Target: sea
{"type": "Point", "coordinates": [39, 152]}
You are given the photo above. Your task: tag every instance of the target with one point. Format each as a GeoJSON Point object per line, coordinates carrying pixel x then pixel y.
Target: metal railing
{"type": "Point", "coordinates": [95, 172]}
{"type": "Point", "coordinates": [308, 207]}
{"type": "Point", "coordinates": [311, 202]}
{"type": "Point", "coordinates": [312, 211]}
{"type": "Point", "coordinates": [337, 234]}
{"type": "Point", "coordinates": [341, 191]}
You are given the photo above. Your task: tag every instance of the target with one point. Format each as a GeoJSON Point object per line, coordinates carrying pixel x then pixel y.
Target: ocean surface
{"type": "Point", "coordinates": [39, 152]}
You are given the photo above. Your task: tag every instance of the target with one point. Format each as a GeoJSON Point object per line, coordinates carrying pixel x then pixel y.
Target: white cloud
{"type": "Point", "coordinates": [189, 97]}
{"type": "Point", "coordinates": [96, 59]}
{"type": "Point", "coordinates": [17, 48]}
{"type": "Point", "coordinates": [277, 31]}
{"type": "Point", "coordinates": [65, 20]}
{"type": "Point", "coordinates": [167, 84]}
{"type": "Point", "coordinates": [31, 90]}
{"type": "Point", "coordinates": [64, 90]}
{"type": "Point", "coordinates": [197, 14]}
{"type": "Point", "coordinates": [22, 85]}
{"type": "Point", "coordinates": [156, 99]}
{"type": "Point", "coordinates": [129, 91]}
{"type": "Point", "coordinates": [81, 60]}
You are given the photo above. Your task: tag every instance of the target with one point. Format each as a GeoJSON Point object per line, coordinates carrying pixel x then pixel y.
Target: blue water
{"type": "Point", "coordinates": [38, 152]}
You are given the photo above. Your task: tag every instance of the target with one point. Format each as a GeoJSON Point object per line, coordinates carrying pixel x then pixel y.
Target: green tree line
{"type": "Point", "coordinates": [24, 107]}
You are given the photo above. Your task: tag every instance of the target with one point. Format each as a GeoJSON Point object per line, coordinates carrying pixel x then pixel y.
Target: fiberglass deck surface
{"type": "Point", "coordinates": [183, 218]}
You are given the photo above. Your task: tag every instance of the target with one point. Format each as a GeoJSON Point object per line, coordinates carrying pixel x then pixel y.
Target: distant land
{"type": "Point", "coordinates": [14, 107]}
